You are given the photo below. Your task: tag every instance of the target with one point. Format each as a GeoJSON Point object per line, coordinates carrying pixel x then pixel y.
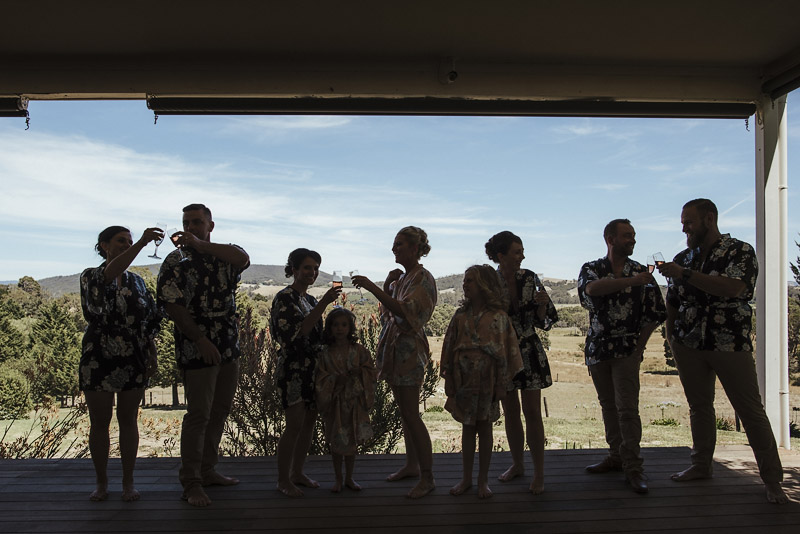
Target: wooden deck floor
{"type": "Point", "coordinates": [51, 496]}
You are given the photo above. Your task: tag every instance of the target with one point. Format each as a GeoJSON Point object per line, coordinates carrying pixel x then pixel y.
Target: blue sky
{"type": "Point", "coordinates": [345, 185]}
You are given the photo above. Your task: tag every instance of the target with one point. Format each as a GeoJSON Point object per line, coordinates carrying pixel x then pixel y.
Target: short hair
{"type": "Point", "coordinates": [296, 257]}
{"type": "Point", "coordinates": [327, 336]}
{"type": "Point", "coordinates": [416, 236]}
{"type": "Point", "coordinates": [611, 228]}
{"type": "Point", "coordinates": [703, 206]}
{"type": "Point", "coordinates": [195, 207]}
{"type": "Point", "coordinates": [488, 282]}
{"type": "Point", "coordinates": [106, 236]}
{"type": "Point", "coordinates": [500, 243]}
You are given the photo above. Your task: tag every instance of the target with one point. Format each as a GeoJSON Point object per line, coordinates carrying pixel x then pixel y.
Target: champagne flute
{"type": "Point", "coordinates": [353, 273]}
{"type": "Point", "coordinates": [651, 267]}
{"type": "Point", "coordinates": [154, 255]}
{"type": "Point", "coordinates": [174, 238]}
{"type": "Point", "coordinates": [659, 259]}
{"type": "Point", "coordinates": [337, 282]}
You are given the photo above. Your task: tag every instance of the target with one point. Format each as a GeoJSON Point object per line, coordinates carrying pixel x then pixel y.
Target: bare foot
{"type": "Point", "coordinates": [217, 479]}
{"type": "Point", "coordinates": [130, 494]}
{"type": "Point", "coordinates": [461, 487]}
{"type": "Point", "coordinates": [196, 496]}
{"type": "Point", "coordinates": [775, 493]}
{"type": "Point", "coordinates": [693, 473]}
{"type": "Point", "coordinates": [303, 480]}
{"type": "Point", "coordinates": [511, 473]}
{"type": "Point", "coordinates": [483, 490]}
{"type": "Point", "coordinates": [537, 485]}
{"type": "Point", "coordinates": [100, 494]}
{"type": "Point", "coordinates": [289, 489]}
{"type": "Point", "coordinates": [337, 486]}
{"type": "Point", "coordinates": [423, 487]}
{"type": "Point", "coordinates": [352, 484]}
{"type": "Point", "coordinates": [404, 472]}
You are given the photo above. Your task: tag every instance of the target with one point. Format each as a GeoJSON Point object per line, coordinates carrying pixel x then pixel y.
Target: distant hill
{"type": "Point", "coordinates": [255, 274]}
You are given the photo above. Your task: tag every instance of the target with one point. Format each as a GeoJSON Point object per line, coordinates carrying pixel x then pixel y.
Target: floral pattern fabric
{"type": "Point", "coordinates": [403, 351]}
{"type": "Point", "coordinates": [122, 318]}
{"type": "Point", "coordinates": [708, 322]}
{"type": "Point", "coordinates": [616, 319]}
{"type": "Point", "coordinates": [206, 286]}
{"type": "Point", "coordinates": [536, 369]}
{"type": "Point", "coordinates": [297, 354]}
{"type": "Point", "coordinates": [345, 392]}
{"type": "Point", "coordinates": [480, 356]}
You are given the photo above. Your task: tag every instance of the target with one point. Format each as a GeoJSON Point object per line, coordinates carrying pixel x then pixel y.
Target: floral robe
{"type": "Point", "coordinates": [480, 357]}
{"type": "Point", "coordinates": [403, 352]}
{"type": "Point", "coordinates": [536, 371]}
{"type": "Point", "coordinates": [122, 319]}
{"type": "Point", "coordinates": [297, 354]}
{"type": "Point", "coordinates": [345, 393]}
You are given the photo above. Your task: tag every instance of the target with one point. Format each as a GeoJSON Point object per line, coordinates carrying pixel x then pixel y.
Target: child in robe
{"type": "Point", "coordinates": [480, 356]}
{"type": "Point", "coordinates": [345, 383]}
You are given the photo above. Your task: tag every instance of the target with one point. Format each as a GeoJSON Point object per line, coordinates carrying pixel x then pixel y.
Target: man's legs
{"type": "Point", "coordinates": [602, 377]}
{"type": "Point", "coordinates": [225, 388]}
{"type": "Point", "coordinates": [737, 373]}
{"type": "Point", "coordinates": [698, 380]}
{"type": "Point", "coordinates": [199, 385]}
{"type": "Point", "coordinates": [625, 375]}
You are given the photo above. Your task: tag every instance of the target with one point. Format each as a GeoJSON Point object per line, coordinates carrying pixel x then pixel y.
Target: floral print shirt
{"type": "Point", "coordinates": [206, 286]}
{"type": "Point", "coordinates": [708, 322]}
{"type": "Point", "coordinates": [122, 320]}
{"type": "Point", "coordinates": [615, 320]}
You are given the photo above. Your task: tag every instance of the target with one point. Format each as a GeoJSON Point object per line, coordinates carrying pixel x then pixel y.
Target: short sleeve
{"type": "Point", "coordinates": [171, 281]}
{"type": "Point", "coordinates": [588, 274]}
{"type": "Point", "coordinates": [417, 299]}
{"type": "Point", "coordinates": [93, 292]}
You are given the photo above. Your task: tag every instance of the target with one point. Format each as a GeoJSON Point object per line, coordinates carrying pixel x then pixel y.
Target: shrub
{"type": "Point", "coordinates": [724, 423]}
{"type": "Point", "coordinates": [665, 421]}
{"type": "Point", "coordinates": [15, 398]}
{"type": "Point", "coordinates": [51, 440]}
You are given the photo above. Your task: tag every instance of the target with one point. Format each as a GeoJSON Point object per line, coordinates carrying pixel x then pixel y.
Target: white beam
{"type": "Point", "coordinates": [772, 359]}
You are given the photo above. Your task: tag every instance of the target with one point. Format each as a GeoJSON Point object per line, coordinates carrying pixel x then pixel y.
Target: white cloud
{"type": "Point", "coordinates": [610, 187]}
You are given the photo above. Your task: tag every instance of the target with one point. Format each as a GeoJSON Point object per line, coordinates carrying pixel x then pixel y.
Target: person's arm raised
{"type": "Point", "coordinates": [607, 286]}
{"type": "Point", "coordinates": [117, 266]}
{"type": "Point", "coordinates": [236, 256]}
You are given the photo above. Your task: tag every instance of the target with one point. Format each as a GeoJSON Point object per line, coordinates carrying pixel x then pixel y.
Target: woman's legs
{"type": "Point", "coordinates": [295, 419]}
{"type": "Point", "coordinates": [467, 458]}
{"type": "Point", "coordinates": [128, 420]}
{"type": "Point", "coordinates": [407, 398]}
{"type": "Point", "coordinates": [484, 457]}
{"type": "Point", "coordinates": [532, 408]}
{"type": "Point", "coordinates": [301, 450]}
{"type": "Point", "coordinates": [515, 435]}
{"type": "Point", "coordinates": [101, 408]}
{"type": "Point", "coordinates": [411, 467]}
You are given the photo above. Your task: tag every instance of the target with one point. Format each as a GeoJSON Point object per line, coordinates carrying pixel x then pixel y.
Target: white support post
{"type": "Point", "coordinates": [772, 355]}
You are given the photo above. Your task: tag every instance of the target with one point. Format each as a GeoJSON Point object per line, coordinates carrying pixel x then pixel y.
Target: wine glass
{"type": "Point", "coordinates": [353, 273]}
{"type": "Point", "coordinates": [154, 255]}
{"type": "Point", "coordinates": [337, 282]}
{"type": "Point", "coordinates": [174, 238]}
{"type": "Point", "coordinates": [651, 264]}
{"type": "Point", "coordinates": [659, 258]}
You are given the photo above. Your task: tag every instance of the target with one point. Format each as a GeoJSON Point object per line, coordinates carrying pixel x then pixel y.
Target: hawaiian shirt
{"type": "Point", "coordinates": [708, 322]}
{"type": "Point", "coordinates": [206, 286]}
{"type": "Point", "coordinates": [616, 319]}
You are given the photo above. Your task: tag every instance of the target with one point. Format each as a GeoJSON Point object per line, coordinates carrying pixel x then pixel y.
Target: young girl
{"type": "Point", "coordinates": [345, 392]}
{"type": "Point", "coordinates": [479, 358]}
